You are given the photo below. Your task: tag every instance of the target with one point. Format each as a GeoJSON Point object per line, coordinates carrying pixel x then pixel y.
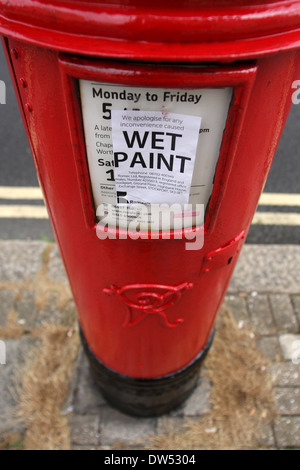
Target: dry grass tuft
{"type": "Point", "coordinates": [44, 389]}
{"type": "Point", "coordinates": [44, 286]}
{"type": "Point", "coordinates": [241, 396]}
{"type": "Point", "coordinates": [12, 329]}
{"type": "Point", "coordinates": [11, 441]}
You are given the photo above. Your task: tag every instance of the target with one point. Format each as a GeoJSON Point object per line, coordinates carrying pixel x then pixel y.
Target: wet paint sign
{"type": "Point", "coordinates": [154, 155]}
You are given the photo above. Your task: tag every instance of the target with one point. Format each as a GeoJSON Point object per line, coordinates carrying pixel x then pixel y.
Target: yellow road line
{"type": "Point", "coordinates": [18, 192]}
{"type": "Point", "coordinates": [276, 218]}
{"type": "Point", "coordinates": [279, 199]}
{"type": "Point", "coordinates": [40, 212]}
{"type": "Point", "coordinates": [23, 212]}
{"type": "Point", "coordinates": [27, 192]}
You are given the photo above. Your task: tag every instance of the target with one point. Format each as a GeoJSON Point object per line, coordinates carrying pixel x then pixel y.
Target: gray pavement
{"type": "Point", "coordinates": [264, 294]}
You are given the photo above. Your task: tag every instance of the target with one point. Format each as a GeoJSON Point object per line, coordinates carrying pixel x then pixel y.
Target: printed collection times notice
{"type": "Point", "coordinates": [151, 145]}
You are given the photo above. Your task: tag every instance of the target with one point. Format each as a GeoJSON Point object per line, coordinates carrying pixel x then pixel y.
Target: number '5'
{"type": "Point", "coordinates": [106, 111]}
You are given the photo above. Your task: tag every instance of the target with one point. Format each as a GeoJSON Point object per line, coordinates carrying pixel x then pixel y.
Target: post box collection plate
{"type": "Point", "coordinates": [152, 146]}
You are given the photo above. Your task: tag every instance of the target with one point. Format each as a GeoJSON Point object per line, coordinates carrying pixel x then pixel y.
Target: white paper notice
{"type": "Point", "coordinates": [154, 156]}
{"type": "Point", "coordinates": [154, 147]}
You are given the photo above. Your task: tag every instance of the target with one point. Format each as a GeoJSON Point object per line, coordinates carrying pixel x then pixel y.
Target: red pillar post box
{"type": "Point", "coordinates": [174, 107]}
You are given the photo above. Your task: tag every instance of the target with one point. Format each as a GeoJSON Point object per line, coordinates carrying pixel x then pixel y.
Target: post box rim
{"type": "Point", "coordinates": [157, 32]}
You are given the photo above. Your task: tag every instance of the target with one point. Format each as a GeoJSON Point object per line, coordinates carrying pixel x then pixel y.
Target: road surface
{"type": "Point", "coordinates": [22, 212]}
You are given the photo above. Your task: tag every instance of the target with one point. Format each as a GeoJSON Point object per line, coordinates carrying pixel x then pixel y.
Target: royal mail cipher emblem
{"type": "Point", "coordinates": [148, 299]}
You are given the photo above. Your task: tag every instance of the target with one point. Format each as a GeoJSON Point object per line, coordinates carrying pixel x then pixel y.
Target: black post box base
{"type": "Point", "coordinates": [145, 397]}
